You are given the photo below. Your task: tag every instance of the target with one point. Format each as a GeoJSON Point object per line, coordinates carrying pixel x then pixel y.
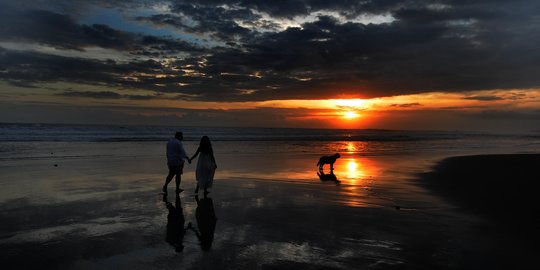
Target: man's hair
{"type": "Point", "coordinates": [178, 134]}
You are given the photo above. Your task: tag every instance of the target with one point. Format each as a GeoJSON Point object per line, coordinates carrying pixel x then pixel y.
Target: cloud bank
{"type": "Point", "coordinates": [265, 50]}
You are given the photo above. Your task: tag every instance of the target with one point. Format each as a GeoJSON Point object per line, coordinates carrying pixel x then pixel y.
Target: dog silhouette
{"type": "Point", "coordinates": [328, 160]}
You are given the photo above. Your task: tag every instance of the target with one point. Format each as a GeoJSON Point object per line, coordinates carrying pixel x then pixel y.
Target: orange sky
{"type": "Point", "coordinates": [418, 111]}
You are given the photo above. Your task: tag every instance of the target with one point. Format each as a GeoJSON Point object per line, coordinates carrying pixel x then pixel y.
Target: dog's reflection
{"type": "Point", "coordinates": [328, 176]}
{"type": "Point", "coordinates": [175, 223]}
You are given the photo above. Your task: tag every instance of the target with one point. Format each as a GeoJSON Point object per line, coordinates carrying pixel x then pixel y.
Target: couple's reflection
{"type": "Point", "coordinates": [175, 223]}
{"type": "Point", "coordinates": [206, 223]}
{"type": "Point", "coordinates": [328, 176]}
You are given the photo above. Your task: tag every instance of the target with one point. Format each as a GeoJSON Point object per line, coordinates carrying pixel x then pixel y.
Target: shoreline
{"type": "Point", "coordinates": [499, 190]}
{"type": "Point", "coordinates": [497, 187]}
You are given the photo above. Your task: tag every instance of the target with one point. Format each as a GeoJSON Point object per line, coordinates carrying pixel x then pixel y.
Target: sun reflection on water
{"type": "Point", "coordinates": [352, 169]}
{"type": "Point", "coordinates": [350, 147]}
{"type": "Point", "coordinates": [356, 175]}
{"type": "Point", "coordinates": [355, 169]}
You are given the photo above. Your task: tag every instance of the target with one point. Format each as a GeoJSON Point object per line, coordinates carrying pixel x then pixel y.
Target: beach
{"type": "Point", "coordinates": [499, 189]}
{"type": "Point", "coordinates": [96, 205]}
{"type": "Point", "coordinates": [337, 135]}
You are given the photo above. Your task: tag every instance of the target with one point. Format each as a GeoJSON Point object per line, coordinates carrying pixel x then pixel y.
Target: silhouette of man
{"type": "Point", "coordinates": [175, 224]}
{"type": "Point", "coordinates": [175, 161]}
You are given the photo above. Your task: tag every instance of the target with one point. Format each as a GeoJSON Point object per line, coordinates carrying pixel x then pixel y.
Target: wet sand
{"type": "Point", "coordinates": [98, 211]}
{"type": "Point", "coordinates": [501, 190]}
{"type": "Point", "coordinates": [500, 187]}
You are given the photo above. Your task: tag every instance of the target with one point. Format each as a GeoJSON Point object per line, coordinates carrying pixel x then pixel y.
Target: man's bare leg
{"type": "Point", "coordinates": [178, 181]}
{"type": "Point", "coordinates": [167, 181]}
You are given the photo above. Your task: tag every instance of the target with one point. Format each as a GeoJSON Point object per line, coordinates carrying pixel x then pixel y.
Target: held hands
{"type": "Point", "coordinates": [189, 160]}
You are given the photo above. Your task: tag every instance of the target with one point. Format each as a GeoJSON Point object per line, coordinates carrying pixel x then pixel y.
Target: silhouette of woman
{"type": "Point", "coordinates": [175, 224]}
{"type": "Point", "coordinates": [206, 165]}
{"type": "Point", "coordinates": [206, 222]}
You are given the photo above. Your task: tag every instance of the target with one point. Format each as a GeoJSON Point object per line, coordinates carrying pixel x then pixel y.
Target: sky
{"type": "Point", "coordinates": [379, 64]}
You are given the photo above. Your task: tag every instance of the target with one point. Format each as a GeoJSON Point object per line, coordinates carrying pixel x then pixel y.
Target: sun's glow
{"type": "Point", "coordinates": [349, 107]}
{"type": "Point", "coordinates": [350, 115]}
{"type": "Point", "coordinates": [350, 103]}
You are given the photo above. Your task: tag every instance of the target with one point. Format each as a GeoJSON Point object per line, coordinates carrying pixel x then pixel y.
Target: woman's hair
{"type": "Point", "coordinates": [205, 144]}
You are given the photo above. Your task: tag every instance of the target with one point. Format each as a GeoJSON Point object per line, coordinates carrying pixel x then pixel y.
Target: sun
{"type": "Point", "coordinates": [349, 107]}
{"type": "Point", "coordinates": [350, 115]}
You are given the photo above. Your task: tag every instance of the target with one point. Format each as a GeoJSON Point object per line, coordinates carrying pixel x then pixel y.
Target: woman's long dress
{"type": "Point", "coordinates": [205, 170]}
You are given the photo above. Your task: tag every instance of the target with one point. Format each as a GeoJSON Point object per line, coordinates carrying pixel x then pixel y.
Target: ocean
{"type": "Point", "coordinates": [103, 133]}
{"type": "Point", "coordinates": [360, 141]}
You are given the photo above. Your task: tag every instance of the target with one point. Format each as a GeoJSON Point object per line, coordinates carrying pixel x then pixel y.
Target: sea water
{"type": "Point", "coordinates": [18, 140]}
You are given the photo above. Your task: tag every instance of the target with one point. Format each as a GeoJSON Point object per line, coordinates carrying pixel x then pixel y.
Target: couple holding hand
{"type": "Point", "coordinates": [206, 165]}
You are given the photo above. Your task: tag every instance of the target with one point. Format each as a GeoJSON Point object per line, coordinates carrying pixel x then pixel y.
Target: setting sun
{"type": "Point", "coordinates": [349, 107]}
{"type": "Point", "coordinates": [350, 115]}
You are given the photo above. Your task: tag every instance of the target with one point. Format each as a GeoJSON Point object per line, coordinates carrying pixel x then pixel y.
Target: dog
{"type": "Point", "coordinates": [328, 160]}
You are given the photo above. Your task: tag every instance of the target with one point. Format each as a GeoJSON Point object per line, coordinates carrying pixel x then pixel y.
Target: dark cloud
{"type": "Point", "coordinates": [444, 45]}
{"type": "Point", "coordinates": [23, 84]}
{"type": "Point", "coordinates": [90, 94]}
{"type": "Point", "coordinates": [406, 105]}
{"type": "Point", "coordinates": [63, 32]}
{"type": "Point", "coordinates": [484, 98]}
{"type": "Point", "coordinates": [35, 68]}
{"type": "Point", "coordinates": [293, 8]}
{"type": "Point", "coordinates": [506, 115]}
{"type": "Point", "coordinates": [57, 30]}
{"type": "Point", "coordinates": [104, 95]}
{"type": "Point", "coordinates": [215, 20]}
{"type": "Point", "coordinates": [46, 113]}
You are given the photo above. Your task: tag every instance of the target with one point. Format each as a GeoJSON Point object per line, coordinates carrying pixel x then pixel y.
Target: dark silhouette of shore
{"type": "Point", "coordinates": [499, 187]}
{"type": "Point", "coordinates": [500, 190]}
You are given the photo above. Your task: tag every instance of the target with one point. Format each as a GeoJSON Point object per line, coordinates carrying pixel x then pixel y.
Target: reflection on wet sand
{"type": "Point", "coordinates": [355, 176]}
{"type": "Point", "coordinates": [175, 223]}
{"type": "Point", "coordinates": [358, 176]}
{"type": "Point", "coordinates": [104, 213]}
{"type": "Point", "coordinates": [349, 169]}
{"type": "Point", "coordinates": [328, 176]}
{"type": "Point", "coordinates": [206, 222]}
{"type": "Point", "coordinates": [352, 169]}
{"type": "Point", "coordinates": [357, 169]}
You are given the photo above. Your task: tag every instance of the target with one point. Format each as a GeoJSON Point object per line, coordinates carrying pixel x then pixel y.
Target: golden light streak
{"type": "Point", "coordinates": [356, 169]}
{"type": "Point", "coordinates": [350, 103]}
